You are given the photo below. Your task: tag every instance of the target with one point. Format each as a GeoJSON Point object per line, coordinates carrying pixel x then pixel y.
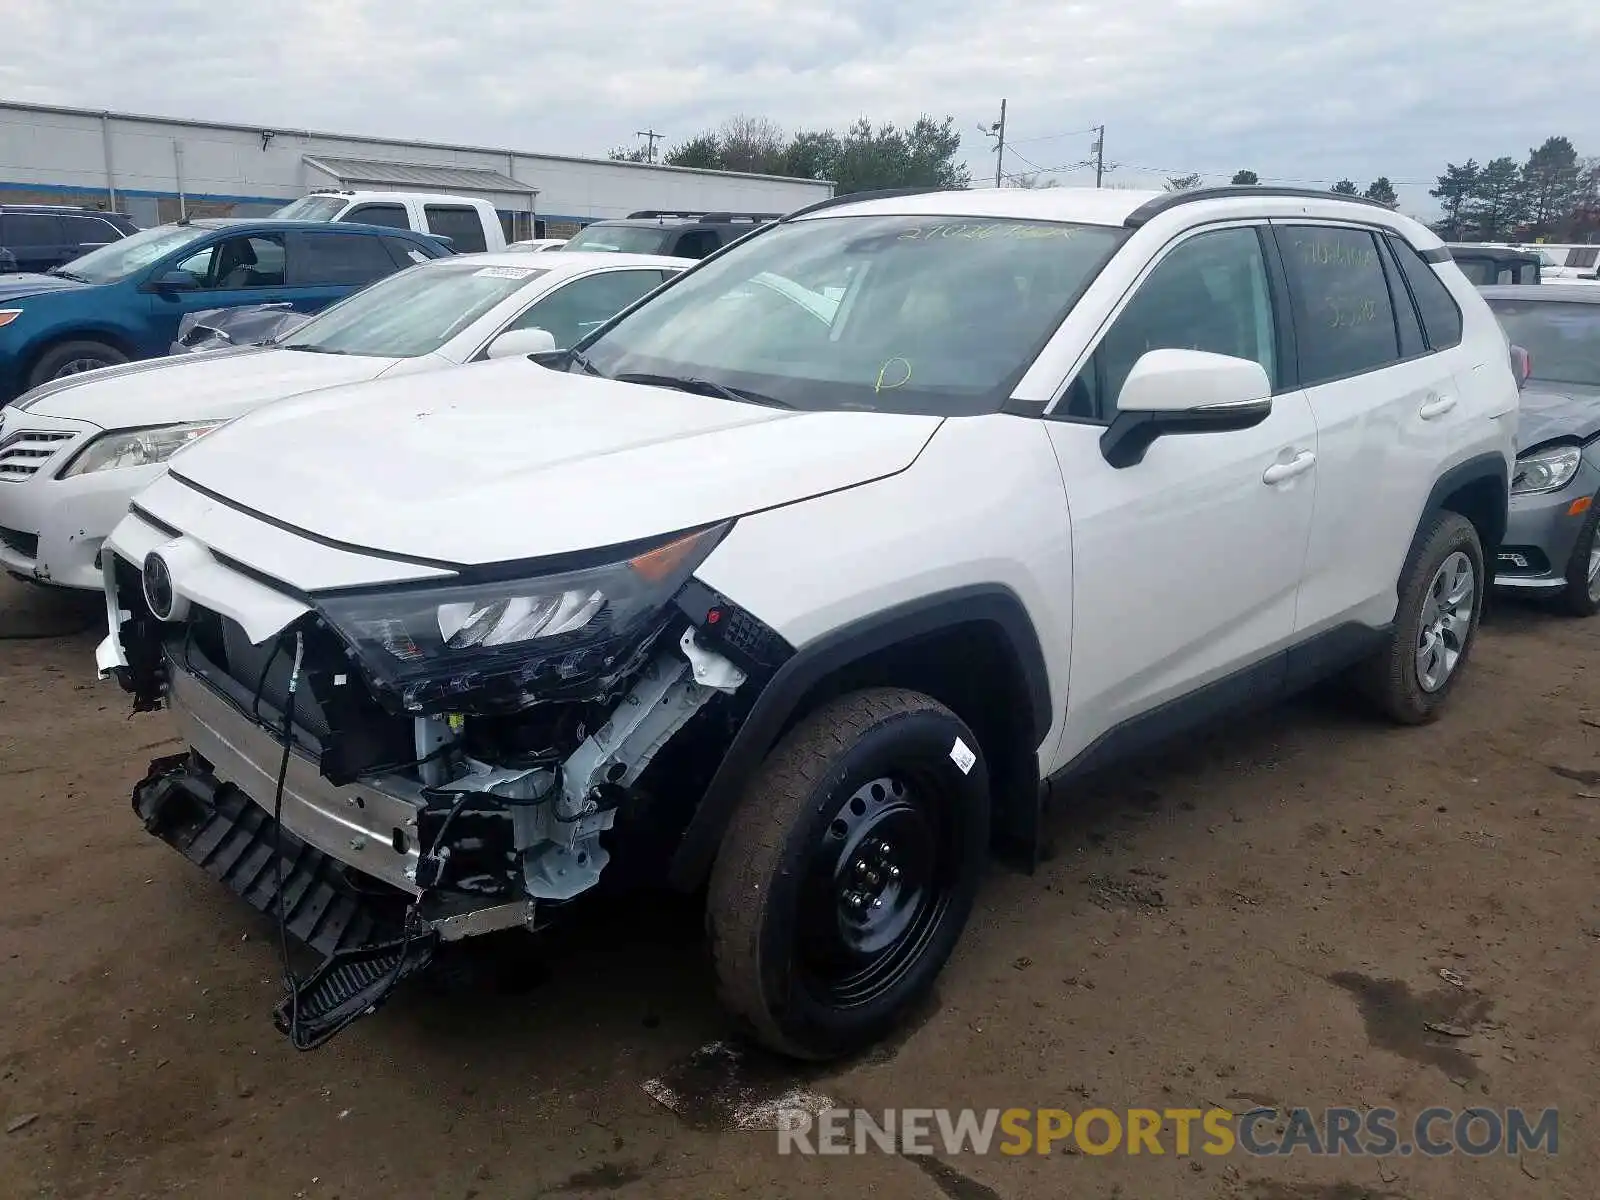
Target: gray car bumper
{"type": "Point", "coordinates": [1542, 531]}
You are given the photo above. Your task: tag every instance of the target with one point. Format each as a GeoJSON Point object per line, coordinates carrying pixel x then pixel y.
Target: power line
{"type": "Point", "coordinates": [1052, 137]}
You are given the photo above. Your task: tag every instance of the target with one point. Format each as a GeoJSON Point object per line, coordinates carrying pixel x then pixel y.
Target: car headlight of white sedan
{"type": "Point", "coordinates": [1547, 470]}
{"type": "Point", "coordinates": [136, 447]}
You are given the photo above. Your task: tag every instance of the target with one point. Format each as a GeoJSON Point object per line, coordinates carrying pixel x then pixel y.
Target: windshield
{"type": "Point", "coordinates": [118, 260]}
{"type": "Point", "coordinates": [1562, 339]}
{"type": "Point", "coordinates": [412, 313]}
{"type": "Point", "coordinates": [901, 314]}
{"type": "Point", "coordinates": [312, 208]}
{"type": "Point", "coordinates": [628, 239]}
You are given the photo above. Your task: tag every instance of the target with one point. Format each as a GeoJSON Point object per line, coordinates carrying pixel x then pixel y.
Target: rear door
{"type": "Point", "coordinates": [1387, 409]}
{"type": "Point", "coordinates": [36, 240]}
{"type": "Point", "coordinates": [326, 265]}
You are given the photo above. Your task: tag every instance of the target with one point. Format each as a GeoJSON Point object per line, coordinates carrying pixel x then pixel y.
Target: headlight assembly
{"type": "Point", "coordinates": [499, 646]}
{"type": "Point", "coordinates": [136, 447]}
{"type": "Point", "coordinates": [1547, 470]}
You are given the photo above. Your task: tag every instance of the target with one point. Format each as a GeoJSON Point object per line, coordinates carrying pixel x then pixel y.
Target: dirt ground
{"type": "Point", "coordinates": [1259, 918]}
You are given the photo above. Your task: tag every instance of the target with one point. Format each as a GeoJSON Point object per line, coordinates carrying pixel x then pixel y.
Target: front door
{"type": "Point", "coordinates": [1187, 565]}
{"type": "Point", "coordinates": [227, 273]}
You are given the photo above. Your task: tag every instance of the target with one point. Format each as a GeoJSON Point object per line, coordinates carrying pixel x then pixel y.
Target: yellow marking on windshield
{"type": "Point", "coordinates": [881, 386]}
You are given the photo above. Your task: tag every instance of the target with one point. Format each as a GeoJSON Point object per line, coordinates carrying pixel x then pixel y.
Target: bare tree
{"type": "Point", "coordinates": [1181, 183]}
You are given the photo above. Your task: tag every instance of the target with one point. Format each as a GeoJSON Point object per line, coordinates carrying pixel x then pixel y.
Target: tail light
{"type": "Point", "coordinates": [1521, 365]}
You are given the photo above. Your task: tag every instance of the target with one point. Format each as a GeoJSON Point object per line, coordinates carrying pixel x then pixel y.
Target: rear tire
{"type": "Point", "coordinates": [72, 358]}
{"type": "Point", "coordinates": [1582, 595]}
{"type": "Point", "coordinates": [1441, 594]}
{"type": "Point", "coordinates": [848, 871]}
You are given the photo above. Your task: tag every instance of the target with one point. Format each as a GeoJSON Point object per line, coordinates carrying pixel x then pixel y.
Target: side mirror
{"type": "Point", "coordinates": [175, 281]}
{"type": "Point", "coordinates": [521, 342]}
{"type": "Point", "coordinates": [1184, 391]}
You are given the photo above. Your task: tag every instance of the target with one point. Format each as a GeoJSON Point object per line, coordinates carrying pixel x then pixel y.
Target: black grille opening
{"type": "Point", "coordinates": [1521, 560]}
{"type": "Point", "coordinates": [26, 544]}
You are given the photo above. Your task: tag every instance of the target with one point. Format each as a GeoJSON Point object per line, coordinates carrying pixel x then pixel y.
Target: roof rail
{"type": "Point", "coordinates": [700, 215]}
{"type": "Point", "coordinates": [853, 197]}
{"type": "Point", "coordinates": [1151, 209]}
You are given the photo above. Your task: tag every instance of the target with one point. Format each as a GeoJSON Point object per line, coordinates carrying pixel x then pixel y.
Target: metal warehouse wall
{"type": "Point", "coordinates": [78, 156]}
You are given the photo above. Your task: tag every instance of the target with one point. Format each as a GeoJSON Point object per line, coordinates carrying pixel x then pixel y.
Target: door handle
{"type": "Point", "coordinates": [1299, 465]}
{"type": "Point", "coordinates": [1436, 406]}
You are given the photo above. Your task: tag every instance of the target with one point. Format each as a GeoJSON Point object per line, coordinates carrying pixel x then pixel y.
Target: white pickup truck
{"type": "Point", "coordinates": [471, 225]}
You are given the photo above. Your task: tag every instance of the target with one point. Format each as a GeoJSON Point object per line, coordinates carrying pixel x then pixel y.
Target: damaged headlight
{"type": "Point", "coordinates": [498, 646]}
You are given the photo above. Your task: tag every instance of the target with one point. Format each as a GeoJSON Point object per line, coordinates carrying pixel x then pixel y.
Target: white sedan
{"type": "Point", "coordinates": [75, 451]}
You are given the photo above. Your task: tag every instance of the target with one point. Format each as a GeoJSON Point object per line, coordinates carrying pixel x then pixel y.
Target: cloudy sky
{"type": "Point", "coordinates": [1302, 90]}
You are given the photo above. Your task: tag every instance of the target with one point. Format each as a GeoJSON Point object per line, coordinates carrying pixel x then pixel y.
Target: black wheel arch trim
{"type": "Point", "coordinates": [1482, 466]}
{"type": "Point", "coordinates": [779, 701]}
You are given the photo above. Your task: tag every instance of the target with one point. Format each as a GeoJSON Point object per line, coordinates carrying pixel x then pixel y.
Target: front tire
{"type": "Point", "coordinates": [1582, 595]}
{"type": "Point", "coordinates": [1441, 598]}
{"type": "Point", "coordinates": [848, 871]}
{"type": "Point", "coordinates": [73, 358]}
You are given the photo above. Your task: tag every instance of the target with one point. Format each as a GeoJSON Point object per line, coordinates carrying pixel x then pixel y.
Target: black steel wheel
{"type": "Point", "coordinates": [848, 871]}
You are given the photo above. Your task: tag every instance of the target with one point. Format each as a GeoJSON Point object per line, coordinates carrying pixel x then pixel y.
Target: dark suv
{"type": "Point", "coordinates": [1487, 265]}
{"type": "Point", "coordinates": [679, 234]}
{"type": "Point", "coordinates": [36, 237]}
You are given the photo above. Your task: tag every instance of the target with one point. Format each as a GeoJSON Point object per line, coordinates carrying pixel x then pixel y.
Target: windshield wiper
{"type": "Point", "coordinates": [63, 273]}
{"type": "Point", "coordinates": [705, 387]}
{"type": "Point", "coordinates": [308, 347]}
{"type": "Point", "coordinates": [582, 359]}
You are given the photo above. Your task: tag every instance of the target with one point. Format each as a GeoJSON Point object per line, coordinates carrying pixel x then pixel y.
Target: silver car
{"type": "Point", "coordinates": [1551, 548]}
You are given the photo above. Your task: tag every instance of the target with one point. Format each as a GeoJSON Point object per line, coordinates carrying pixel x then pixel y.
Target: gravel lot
{"type": "Point", "coordinates": [1260, 917]}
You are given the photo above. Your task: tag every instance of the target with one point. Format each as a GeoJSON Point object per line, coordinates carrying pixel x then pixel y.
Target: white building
{"type": "Point", "coordinates": [157, 169]}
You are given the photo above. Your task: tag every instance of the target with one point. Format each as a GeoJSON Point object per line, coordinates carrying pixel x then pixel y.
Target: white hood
{"type": "Point", "coordinates": [196, 387]}
{"type": "Point", "coordinates": [506, 460]}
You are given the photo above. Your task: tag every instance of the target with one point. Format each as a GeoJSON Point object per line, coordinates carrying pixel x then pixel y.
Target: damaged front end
{"type": "Point", "coordinates": [401, 767]}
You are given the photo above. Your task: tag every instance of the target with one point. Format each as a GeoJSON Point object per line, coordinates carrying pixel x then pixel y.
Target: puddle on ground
{"type": "Point", "coordinates": [950, 1181]}
{"type": "Point", "coordinates": [1398, 1022]}
{"type": "Point", "coordinates": [731, 1084]}
{"type": "Point", "coordinates": [607, 1177]}
{"type": "Point", "coordinates": [726, 1086]}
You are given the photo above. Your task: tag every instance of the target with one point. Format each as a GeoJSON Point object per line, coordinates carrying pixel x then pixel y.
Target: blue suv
{"type": "Point", "coordinates": [125, 300]}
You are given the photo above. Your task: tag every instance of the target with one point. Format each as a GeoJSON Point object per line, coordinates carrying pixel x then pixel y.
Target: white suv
{"type": "Point", "coordinates": [810, 575]}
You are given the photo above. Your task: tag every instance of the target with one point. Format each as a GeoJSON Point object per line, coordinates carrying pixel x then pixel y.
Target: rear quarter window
{"type": "Point", "coordinates": [1441, 317]}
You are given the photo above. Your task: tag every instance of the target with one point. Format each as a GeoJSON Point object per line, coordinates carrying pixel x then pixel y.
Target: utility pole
{"type": "Point", "coordinates": [651, 138]}
{"type": "Point", "coordinates": [998, 132]}
{"type": "Point", "coordinates": [1099, 149]}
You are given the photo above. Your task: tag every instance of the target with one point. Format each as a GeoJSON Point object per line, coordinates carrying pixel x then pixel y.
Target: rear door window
{"type": "Point", "coordinates": [696, 243]}
{"type": "Point", "coordinates": [30, 231]}
{"type": "Point", "coordinates": [458, 223]}
{"type": "Point", "coordinates": [340, 258]}
{"type": "Point", "coordinates": [1344, 319]}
